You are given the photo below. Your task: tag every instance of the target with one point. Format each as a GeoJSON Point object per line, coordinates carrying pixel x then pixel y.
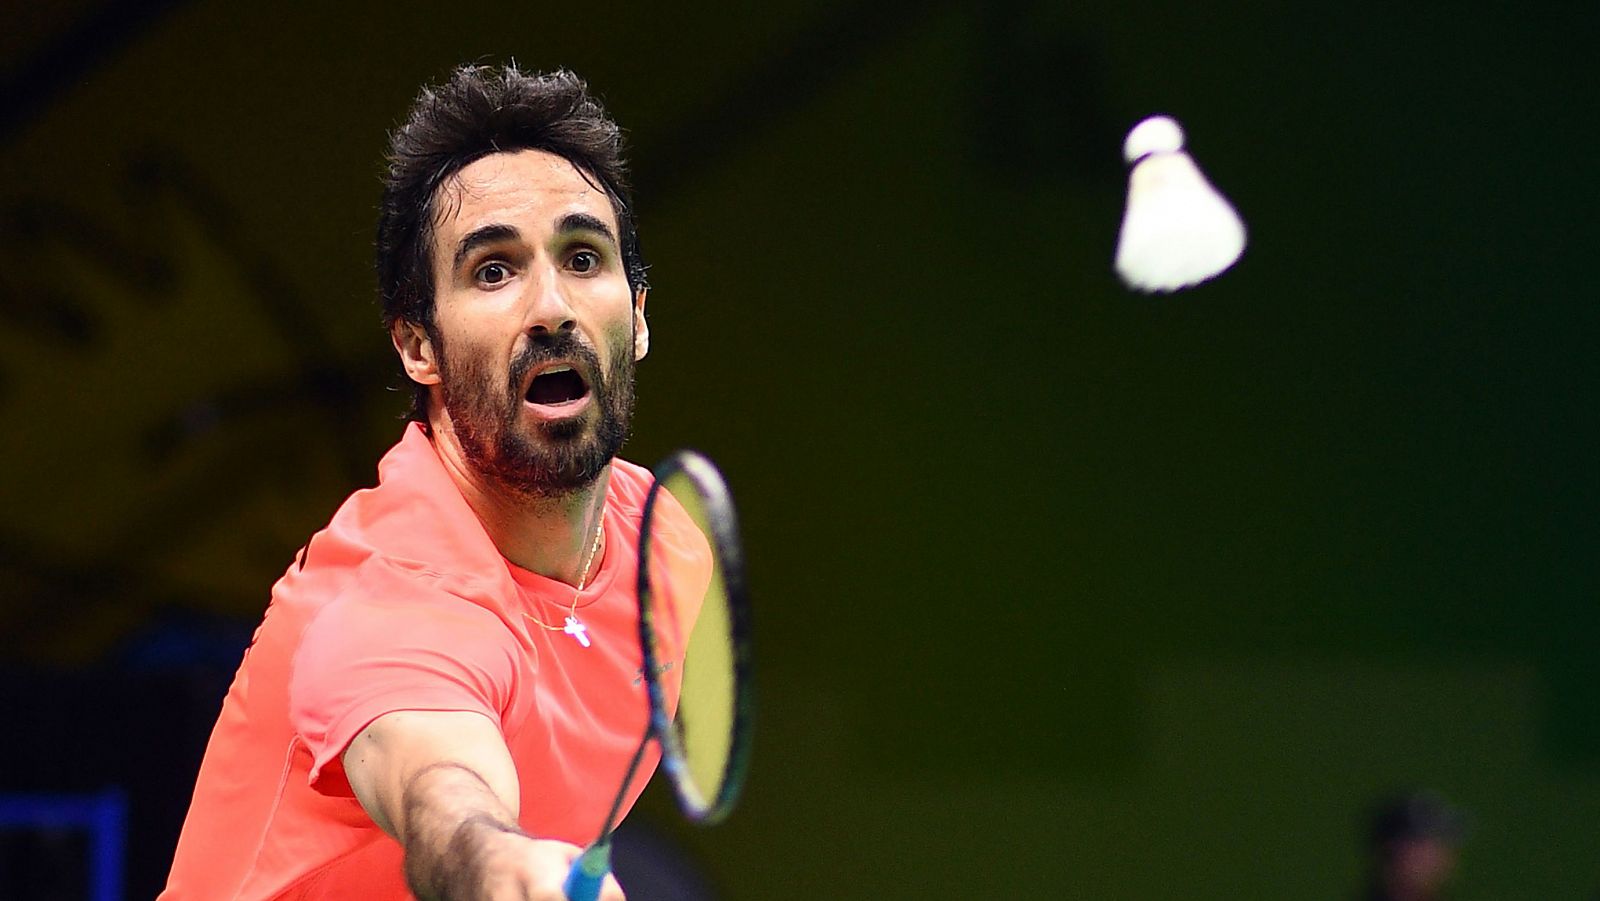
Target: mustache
{"type": "Point", "coordinates": [559, 347]}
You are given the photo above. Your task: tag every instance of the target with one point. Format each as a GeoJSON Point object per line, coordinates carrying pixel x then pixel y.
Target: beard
{"type": "Point", "coordinates": [555, 458]}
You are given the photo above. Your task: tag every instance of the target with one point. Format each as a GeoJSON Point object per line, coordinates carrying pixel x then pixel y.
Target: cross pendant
{"type": "Point", "coordinates": [577, 630]}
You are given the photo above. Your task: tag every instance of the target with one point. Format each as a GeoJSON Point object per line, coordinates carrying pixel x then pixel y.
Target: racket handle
{"type": "Point", "coordinates": [588, 871]}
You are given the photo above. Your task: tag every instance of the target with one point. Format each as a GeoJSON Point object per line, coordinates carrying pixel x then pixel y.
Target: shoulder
{"type": "Point", "coordinates": [386, 591]}
{"type": "Point", "coordinates": [391, 610]}
{"type": "Point", "coordinates": [629, 486]}
{"type": "Point", "coordinates": [394, 640]}
{"type": "Point", "coordinates": [630, 478]}
{"type": "Point", "coordinates": [414, 515]}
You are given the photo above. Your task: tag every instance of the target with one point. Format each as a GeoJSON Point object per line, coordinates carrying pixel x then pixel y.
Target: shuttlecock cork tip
{"type": "Point", "coordinates": [1157, 134]}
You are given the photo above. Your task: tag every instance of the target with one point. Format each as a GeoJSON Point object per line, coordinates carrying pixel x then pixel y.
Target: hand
{"type": "Point", "coordinates": [514, 867]}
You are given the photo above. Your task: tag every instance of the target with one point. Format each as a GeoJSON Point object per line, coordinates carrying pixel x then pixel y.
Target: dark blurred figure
{"type": "Point", "coordinates": [652, 866]}
{"type": "Point", "coordinates": [1413, 840]}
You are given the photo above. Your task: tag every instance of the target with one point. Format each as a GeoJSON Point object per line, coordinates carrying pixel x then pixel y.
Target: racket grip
{"type": "Point", "coordinates": [588, 871]}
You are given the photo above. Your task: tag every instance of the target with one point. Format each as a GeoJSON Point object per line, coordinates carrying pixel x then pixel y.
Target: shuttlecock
{"type": "Point", "coordinates": [1177, 230]}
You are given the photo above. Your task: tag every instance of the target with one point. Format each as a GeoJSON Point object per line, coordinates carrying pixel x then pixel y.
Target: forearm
{"type": "Point", "coordinates": [451, 827]}
{"type": "Point", "coordinates": [444, 785]}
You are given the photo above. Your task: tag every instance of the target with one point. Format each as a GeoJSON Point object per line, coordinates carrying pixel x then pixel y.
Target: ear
{"type": "Point", "coordinates": [641, 329]}
{"type": "Point", "coordinates": [416, 352]}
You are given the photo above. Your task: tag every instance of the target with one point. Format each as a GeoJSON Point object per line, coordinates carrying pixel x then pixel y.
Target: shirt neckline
{"type": "Point", "coordinates": [548, 592]}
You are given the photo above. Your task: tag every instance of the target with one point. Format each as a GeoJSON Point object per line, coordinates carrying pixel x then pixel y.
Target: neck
{"type": "Point", "coordinates": [552, 536]}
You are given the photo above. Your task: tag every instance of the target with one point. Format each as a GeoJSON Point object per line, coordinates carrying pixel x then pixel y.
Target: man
{"type": "Point", "coordinates": [440, 696]}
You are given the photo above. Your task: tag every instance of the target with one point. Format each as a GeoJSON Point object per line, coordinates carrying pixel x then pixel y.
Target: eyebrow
{"type": "Point", "coordinates": [478, 237]}
{"type": "Point", "coordinates": [575, 222]}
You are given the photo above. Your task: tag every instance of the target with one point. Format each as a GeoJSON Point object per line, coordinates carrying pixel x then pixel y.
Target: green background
{"type": "Point", "coordinates": [1061, 591]}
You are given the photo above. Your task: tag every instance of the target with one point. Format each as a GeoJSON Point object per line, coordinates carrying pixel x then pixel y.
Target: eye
{"type": "Point", "coordinates": [492, 273]}
{"type": "Point", "coordinates": [585, 261]}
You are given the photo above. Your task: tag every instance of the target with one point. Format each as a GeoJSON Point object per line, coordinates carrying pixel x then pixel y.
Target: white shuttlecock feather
{"type": "Point", "coordinates": [1177, 230]}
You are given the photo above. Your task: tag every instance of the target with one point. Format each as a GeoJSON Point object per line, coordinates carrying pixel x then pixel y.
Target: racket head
{"type": "Point", "coordinates": [694, 631]}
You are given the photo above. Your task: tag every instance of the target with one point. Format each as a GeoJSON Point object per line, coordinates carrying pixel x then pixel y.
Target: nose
{"type": "Point", "coordinates": [548, 308]}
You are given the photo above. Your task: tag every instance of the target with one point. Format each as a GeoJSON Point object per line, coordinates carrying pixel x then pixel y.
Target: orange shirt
{"type": "Point", "coordinates": [403, 603]}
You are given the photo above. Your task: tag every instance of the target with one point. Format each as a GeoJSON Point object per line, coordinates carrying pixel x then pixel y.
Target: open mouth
{"type": "Point", "coordinates": [556, 386]}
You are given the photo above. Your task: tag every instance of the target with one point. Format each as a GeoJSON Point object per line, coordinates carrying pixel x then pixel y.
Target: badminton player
{"type": "Point", "coordinates": [440, 700]}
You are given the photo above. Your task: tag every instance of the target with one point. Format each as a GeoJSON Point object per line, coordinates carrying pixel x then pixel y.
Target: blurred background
{"type": "Point", "coordinates": [1061, 591]}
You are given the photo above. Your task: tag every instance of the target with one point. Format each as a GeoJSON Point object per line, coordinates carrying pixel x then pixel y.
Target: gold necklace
{"type": "Point", "coordinates": [575, 626]}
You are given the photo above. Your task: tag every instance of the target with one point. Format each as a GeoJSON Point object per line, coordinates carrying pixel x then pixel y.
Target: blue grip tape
{"type": "Point", "coordinates": [588, 871]}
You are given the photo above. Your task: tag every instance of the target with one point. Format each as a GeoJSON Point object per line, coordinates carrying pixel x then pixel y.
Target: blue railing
{"type": "Point", "coordinates": [104, 816]}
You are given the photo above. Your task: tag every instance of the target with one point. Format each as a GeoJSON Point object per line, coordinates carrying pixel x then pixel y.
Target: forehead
{"type": "Point", "coordinates": [528, 189]}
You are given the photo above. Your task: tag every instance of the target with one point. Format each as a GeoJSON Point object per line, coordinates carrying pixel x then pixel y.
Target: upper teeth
{"type": "Point", "coordinates": [557, 369]}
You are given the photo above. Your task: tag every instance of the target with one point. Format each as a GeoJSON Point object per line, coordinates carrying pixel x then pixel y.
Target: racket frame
{"type": "Point", "coordinates": [723, 522]}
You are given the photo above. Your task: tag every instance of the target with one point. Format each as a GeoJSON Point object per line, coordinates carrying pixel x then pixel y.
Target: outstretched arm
{"type": "Point", "coordinates": [444, 785]}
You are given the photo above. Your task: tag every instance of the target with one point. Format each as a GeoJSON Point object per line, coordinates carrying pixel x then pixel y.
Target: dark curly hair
{"type": "Point", "coordinates": [477, 111]}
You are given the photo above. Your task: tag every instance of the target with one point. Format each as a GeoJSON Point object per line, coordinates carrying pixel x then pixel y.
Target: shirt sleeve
{"type": "Point", "coordinates": [392, 642]}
